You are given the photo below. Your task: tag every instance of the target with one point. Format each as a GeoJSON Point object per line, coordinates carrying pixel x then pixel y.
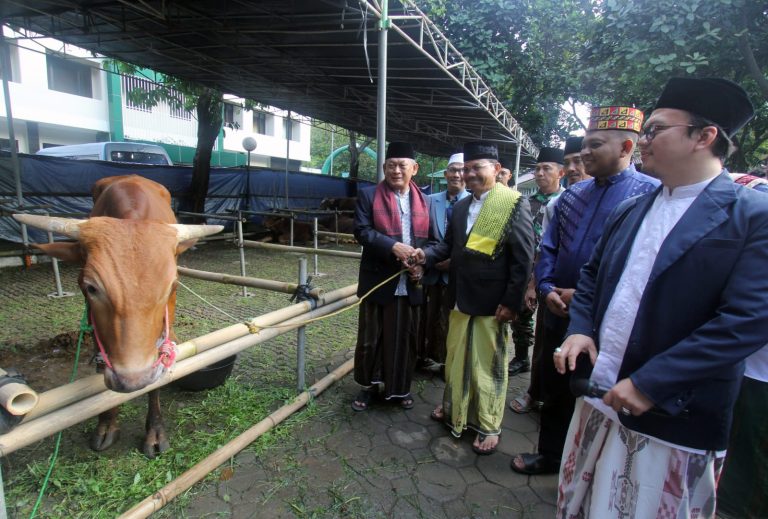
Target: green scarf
{"type": "Point", "coordinates": [490, 229]}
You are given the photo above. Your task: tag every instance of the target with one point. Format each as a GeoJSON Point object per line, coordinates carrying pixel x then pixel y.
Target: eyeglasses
{"type": "Point", "coordinates": [649, 132]}
{"type": "Point", "coordinates": [475, 168]}
{"type": "Point", "coordinates": [455, 170]}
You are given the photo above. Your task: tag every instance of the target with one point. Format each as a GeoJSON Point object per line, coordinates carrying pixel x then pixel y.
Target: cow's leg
{"type": "Point", "coordinates": [156, 441]}
{"type": "Point", "coordinates": [107, 432]}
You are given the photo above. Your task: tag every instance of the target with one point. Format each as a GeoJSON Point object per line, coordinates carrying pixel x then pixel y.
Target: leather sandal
{"type": "Point", "coordinates": [407, 402]}
{"type": "Point", "coordinates": [534, 463]}
{"type": "Point", "coordinates": [362, 401]}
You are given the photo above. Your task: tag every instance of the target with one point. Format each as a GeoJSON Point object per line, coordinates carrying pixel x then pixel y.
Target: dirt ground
{"type": "Point", "coordinates": [38, 334]}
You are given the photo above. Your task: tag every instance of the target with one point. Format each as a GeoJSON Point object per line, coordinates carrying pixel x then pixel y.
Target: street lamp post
{"type": "Point", "coordinates": [249, 144]}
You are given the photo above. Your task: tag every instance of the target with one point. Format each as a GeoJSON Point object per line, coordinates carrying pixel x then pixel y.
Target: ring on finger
{"type": "Point", "coordinates": [558, 351]}
{"type": "Point", "coordinates": [625, 411]}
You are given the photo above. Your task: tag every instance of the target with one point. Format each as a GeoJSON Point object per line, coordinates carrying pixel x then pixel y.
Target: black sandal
{"type": "Point", "coordinates": [407, 402]}
{"type": "Point", "coordinates": [362, 401]}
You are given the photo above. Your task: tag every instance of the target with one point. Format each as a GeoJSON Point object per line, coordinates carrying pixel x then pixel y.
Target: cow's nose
{"type": "Point", "coordinates": [129, 381]}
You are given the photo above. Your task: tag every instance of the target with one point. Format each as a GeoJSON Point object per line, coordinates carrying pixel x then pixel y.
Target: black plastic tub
{"type": "Point", "coordinates": [208, 377]}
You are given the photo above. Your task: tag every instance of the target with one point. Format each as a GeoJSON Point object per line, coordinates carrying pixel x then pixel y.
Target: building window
{"type": "Point", "coordinates": [13, 56]}
{"type": "Point", "coordinates": [69, 76]}
{"type": "Point", "coordinates": [292, 131]}
{"type": "Point", "coordinates": [177, 107]}
{"type": "Point", "coordinates": [260, 123]}
{"type": "Point", "coordinates": [231, 116]}
{"type": "Point", "coordinates": [134, 89]}
{"type": "Point", "coordinates": [5, 144]}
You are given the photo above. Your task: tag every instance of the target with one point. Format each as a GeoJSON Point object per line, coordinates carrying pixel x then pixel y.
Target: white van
{"type": "Point", "coordinates": [132, 152]}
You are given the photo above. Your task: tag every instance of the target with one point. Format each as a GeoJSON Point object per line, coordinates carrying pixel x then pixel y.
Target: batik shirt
{"type": "Point", "coordinates": [578, 222]}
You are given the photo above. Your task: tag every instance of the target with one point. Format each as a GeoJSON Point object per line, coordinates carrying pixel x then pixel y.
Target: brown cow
{"type": "Point", "coordinates": [280, 229]}
{"type": "Point", "coordinates": [339, 204]}
{"type": "Point", "coordinates": [128, 249]}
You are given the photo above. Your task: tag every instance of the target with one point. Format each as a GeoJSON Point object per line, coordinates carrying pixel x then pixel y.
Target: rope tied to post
{"type": "Point", "coordinates": [302, 293]}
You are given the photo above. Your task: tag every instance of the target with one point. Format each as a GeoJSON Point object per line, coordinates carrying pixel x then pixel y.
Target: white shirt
{"type": "Point", "coordinates": [474, 210]}
{"type": "Point", "coordinates": [404, 202]}
{"type": "Point", "coordinates": [757, 365]}
{"type": "Point", "coordinates": [619, 318]}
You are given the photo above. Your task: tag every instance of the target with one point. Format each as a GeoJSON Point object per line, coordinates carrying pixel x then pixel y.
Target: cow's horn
{"type": "Point", "coordinates": [67, 226]}
{"type": "Point", "coordinates": [190, 232]}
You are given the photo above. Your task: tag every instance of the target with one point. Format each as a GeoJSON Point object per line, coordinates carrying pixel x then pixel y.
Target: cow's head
{"type": "Point", "coordinates": [129, 278]}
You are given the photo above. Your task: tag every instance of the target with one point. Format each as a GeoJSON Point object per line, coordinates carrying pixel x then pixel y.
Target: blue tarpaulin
{"type": "Point", "coordinates": [64, 185]}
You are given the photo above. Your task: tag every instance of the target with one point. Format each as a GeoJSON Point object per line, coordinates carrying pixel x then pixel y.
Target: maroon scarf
{"type": "Point", "coordinates": [386, 213]}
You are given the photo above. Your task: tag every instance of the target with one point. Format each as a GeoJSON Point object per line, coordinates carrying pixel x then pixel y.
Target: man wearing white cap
{"type": "Point", "coordinates": [435, 280]}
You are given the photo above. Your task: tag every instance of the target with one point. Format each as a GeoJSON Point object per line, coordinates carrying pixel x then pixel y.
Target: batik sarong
{"type": "Point", "coordinates": [475, 373]}
{"type": "Point", "coordinates": [611, 472]}
{"type": "Point", "coordinates": [387, 339]}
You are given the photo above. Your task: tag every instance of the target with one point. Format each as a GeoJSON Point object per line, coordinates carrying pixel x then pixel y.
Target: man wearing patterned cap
{"type": "Point", "coordinates": [435, 280]}
{"type": "Point", "coordinates": [391, 219]}
{"type": "Point", "coordinates": [671, 297]}
{"type": "Point", "coordinates": [490, 243]}
{"type": "Point", "coordinates": [579, 217]}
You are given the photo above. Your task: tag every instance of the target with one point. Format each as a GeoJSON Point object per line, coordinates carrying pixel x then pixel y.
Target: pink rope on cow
{"type": "Point", "coordinates": [167, 349]}
{"type": "Point", "coordinates": [167, 354]}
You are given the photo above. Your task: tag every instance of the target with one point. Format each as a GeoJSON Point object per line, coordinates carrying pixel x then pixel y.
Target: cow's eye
{"type": "Point", "coordinates": [91, 290]}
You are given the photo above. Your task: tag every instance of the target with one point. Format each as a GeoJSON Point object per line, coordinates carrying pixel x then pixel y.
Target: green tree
{"type": "Point", "coordinates": [539, 54]}
{"type": "Point", "coordinates": [636, 46]}
{"type": "Point", "coordinates": [205, 102]}
{"type": "Point", "coordinates": [526, 50]}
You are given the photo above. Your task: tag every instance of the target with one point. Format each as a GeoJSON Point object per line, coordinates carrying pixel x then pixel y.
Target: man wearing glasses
{"type": "Point", "coordinates": [435, 280]}
{"type": "Point", "coordinates": [490, 243]}
{"type": "Point", "coordinates": [391, 219]}
{"type": "Point", "coordinates": [672, 299]}
{"type": "Point", "coordinates": [578, 221]}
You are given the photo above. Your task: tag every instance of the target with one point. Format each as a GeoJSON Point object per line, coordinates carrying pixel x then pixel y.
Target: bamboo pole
{"type": "Point", "coordinates": [266, 284]}
{"type": "Point", "coordinates": [344, 235]}
{"type": "Point", "coordinates": [163, 496]}
{"type": "Point", "coordinates": [305, 250]}
{"type": "Point", "coordinates": [34, 430]}
{"type": "Point", "coordinates": [17, 398]}
{"type": "Point", "coordinates": [61, 396]}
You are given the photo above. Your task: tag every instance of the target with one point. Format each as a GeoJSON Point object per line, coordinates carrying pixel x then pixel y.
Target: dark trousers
{"type": "Point", "coordinates": [434, 323]}
{"type": "Point", "coordinates": [522, 333]}
{"type": "Point", "coordinates": [557, 397]}
{"type": "Point", "coordinates": [534, 389]}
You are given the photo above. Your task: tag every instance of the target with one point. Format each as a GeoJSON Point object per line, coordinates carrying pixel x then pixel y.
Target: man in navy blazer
{"type": "Point", "coordinates": [667, 309]}
{"type": "Point", "coordinates": [435, 280]}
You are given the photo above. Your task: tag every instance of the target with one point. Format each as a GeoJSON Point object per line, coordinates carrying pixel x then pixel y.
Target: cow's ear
{"type": "Point", "coordinates": [184, 245]}
{"type": "Point", "coordinates": [65, 251]}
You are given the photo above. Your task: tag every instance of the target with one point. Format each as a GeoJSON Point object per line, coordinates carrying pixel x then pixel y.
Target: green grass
{"type": "Point", "coordinates": [91, 485]}
{"type": "Point", "coordinates": [88, 484]}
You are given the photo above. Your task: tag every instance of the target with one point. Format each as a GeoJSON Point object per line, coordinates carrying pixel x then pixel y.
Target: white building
{"type": "Point", "coordinates": [62, 95]}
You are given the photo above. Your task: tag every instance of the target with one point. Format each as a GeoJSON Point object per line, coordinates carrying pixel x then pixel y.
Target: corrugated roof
{"type": "Point", "coordinates": [316, 57]}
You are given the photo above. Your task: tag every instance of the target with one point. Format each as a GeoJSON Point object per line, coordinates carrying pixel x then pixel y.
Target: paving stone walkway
{"type": "Point", "coordinates": [382, 463]}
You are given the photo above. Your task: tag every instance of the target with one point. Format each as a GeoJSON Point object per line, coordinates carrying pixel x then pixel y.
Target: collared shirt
{"type": "Point", "coordinates": [578, 221]}
{"type": "Point", "coordinates": [404, 203]}
{"type": "Point", "coordinates": [474, 210]}
{"type": "Point", "coordinates": [619, 320]}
